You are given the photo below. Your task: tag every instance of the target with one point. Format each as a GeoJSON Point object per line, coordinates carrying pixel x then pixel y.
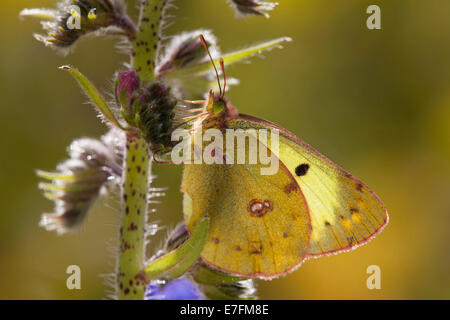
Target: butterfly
{"type": "Point", "coordinates": [264, 226]}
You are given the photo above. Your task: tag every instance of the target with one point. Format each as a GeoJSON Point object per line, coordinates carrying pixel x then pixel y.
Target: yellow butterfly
{"type": "Point", "coordinates": [266, 225]}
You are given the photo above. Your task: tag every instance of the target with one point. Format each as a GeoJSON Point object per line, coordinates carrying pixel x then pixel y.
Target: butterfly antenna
{"type": "Point", "coordinates": [212, 61]}
{"type": "Point", "coordinates": [222, 66]}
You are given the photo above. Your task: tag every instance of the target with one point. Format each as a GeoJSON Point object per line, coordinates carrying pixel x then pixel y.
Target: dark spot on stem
{"type": "Point", "coordinates": [133, 227]}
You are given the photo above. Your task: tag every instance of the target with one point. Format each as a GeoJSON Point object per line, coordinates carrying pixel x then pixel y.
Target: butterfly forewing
{"type": "Point", "coordinates": [344, 212]}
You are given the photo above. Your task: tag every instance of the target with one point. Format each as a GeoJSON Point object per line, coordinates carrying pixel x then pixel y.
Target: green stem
{"type": "Point", "coordinates": [134, 211]}
{"type": "Point", "coordinates": [147, 42]}
{"type": "Point", "coordinates": [137, 165]}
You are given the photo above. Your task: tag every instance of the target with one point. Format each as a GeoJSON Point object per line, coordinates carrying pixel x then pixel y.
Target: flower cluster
{"type": "Point", "coordinates": [75, 18]}
{"type": "Point", "coordinates": [150, 109]}
{"type": "Point", "coordinates": [79, 180]}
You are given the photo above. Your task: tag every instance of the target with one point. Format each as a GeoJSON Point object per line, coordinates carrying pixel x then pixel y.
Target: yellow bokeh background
{"type": "Point", "coordinates": [375, 102]}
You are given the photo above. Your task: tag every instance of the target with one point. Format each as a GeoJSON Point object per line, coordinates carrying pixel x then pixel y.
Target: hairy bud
{"type": "Point", "coordinates": [252, 7]}
{"type": "Point", "coordinates": [75, 18]}
{"type": "Point", "coordinates": [156, 117]}
{"type": "Point", "coordinates": [186, 50]}
{"type": "Point", "coordinates": [150, 109]}
{"type": "Point", "coordinates": [127, 83]}
{"type": "Point", "coordinates": [78, 180]}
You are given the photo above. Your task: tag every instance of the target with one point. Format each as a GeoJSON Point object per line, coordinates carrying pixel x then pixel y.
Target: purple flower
{"type": "Point", "coordinates": [178, 289]}
{"type": "Point", "coordinates": [127, 83]}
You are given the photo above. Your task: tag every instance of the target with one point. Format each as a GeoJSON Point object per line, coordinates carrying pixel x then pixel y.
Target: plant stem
{"type": "Point", "coordinates": [146, 44]}
{"type": "Point", "coordinates": [134, 211]}
{"type": "Point", "coordinates": [137, 164]}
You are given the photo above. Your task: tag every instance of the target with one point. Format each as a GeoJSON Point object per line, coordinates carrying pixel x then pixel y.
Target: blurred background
{"type": "Point", "coordinates": [375, 102]}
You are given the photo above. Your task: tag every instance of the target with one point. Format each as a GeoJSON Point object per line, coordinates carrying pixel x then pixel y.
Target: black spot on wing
{"type": "Point", "coordinates": [302, 169]}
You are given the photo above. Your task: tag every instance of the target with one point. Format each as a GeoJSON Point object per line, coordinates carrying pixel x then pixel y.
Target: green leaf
{"type": "Point", "coordinates": [230, 58]}
{"type": "Point", "coordinates": [94, 95]}
{"type": "Point", "coordinates": [178, 261]}
{"type": "Point", "coordinates": [204, 275]}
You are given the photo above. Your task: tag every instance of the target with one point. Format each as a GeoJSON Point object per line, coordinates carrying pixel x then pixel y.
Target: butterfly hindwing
{"type": "Point", "coordinates": [344, 212]}
{"type": "Point", "coordinates": [258, 227]}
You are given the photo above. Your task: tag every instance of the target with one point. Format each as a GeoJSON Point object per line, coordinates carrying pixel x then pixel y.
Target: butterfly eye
{"type": "Point", "coordinates": [302, 169]}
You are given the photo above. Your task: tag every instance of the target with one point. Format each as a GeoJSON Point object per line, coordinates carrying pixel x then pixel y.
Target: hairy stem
{"type": "Point", "coordinates": [147, 42]}
{"type": "Point", "coordinates": [134, 210]}
{"type": "Point", "coordinates": [137, 163]}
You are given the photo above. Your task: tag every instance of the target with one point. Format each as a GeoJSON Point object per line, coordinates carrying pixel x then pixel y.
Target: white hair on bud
{"type": "Point", "coordinates": [176, 41]}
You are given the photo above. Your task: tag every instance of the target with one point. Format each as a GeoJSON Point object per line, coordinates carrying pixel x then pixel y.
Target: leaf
{"type": "Point", "coordinates": [178, 261]}
{"type": "Point", "coordinates": [205, 275]}
{"type": "Point", "coordinates": [230, 58]}
{"type": "Point", "coordinates": [94, 95]}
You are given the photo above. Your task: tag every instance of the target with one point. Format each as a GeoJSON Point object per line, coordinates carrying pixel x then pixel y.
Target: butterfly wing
{"type": "Point", "coordinates": [258, 228]}
{"type": "Point", "coordinates": [345, 213]}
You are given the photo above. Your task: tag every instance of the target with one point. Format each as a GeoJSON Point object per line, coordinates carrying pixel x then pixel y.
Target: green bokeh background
{"type": "Point", "coordinates": [375, 102]}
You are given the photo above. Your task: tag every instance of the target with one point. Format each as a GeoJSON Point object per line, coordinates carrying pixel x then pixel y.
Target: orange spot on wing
{"type": "Point", "coordinates": [290, 187]}
{"type": "Point", "coordinates": [259, 208]}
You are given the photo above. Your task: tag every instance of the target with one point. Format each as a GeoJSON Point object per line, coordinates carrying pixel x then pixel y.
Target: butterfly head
{"type": "Point", "coordinates": [218, 105]}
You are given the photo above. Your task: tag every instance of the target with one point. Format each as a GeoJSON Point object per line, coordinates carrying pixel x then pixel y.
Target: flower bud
{"type": "Point", "coordinates": [78, 180]}
{"type": "Point", "coordinates": [177, 237]}
{"type": "Point", "coordinates": [183, 55]}
{"type": "Point", "coordinates": [157, 117]}
{"type": "Point", "coordinates": [186, 50]}
{"type": "Point", "coordinates": [252, 7]}
{"type": "Point", "coordinates": [126, 84]}
{"type": "Point", "coordinates": [75, 18]}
